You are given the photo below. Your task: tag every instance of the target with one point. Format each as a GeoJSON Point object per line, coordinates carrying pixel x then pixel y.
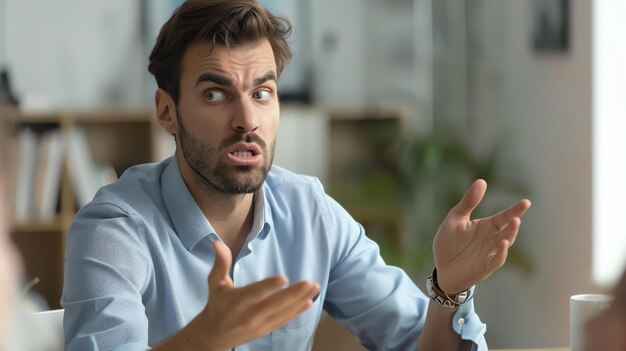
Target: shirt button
{"type": "Point", "coordinates": [460, 321]}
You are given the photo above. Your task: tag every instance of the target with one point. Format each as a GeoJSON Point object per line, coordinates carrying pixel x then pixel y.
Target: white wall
{"type": "Point", "coordinates": [3, 25]}
{"type": "Point", "coordinates": [609, 157]}
{"type": "Point", "coordinates": [75, 53]}
{"type": "Point", "coordinates": [338, 46]}
{"type": "Point", "coordinates": [547, 109]}
{"type": "Point", "coordinates": [303, 139]}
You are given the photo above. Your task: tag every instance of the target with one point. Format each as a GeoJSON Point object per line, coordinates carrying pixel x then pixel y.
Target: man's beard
{"type": "Point", "coordinates": [214, 173]}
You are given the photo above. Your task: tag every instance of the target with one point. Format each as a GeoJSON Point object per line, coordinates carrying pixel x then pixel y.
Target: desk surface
{"type": "Point", "coordinates": [557, 349]}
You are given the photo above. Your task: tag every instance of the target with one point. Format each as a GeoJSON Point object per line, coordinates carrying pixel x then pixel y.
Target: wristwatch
{"type": "Point", "coordinates": [435, 293]}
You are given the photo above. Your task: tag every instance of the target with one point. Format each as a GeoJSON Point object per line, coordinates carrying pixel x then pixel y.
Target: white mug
{"type": "Point", "coordinates": [582, 309]}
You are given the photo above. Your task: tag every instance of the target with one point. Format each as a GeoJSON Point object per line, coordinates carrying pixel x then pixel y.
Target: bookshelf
{"type": "Point", "coordinates": [118, 139]}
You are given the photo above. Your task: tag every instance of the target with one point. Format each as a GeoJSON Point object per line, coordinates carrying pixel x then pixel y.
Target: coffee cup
{"type": "Point", "coordinates": [583, 308]}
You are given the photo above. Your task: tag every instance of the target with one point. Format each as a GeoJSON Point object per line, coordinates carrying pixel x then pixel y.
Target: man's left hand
{"type": "Point", "coordinates": [467, 251]}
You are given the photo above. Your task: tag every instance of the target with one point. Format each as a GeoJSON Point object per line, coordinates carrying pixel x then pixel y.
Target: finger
{"type": "Point", "coordinates": [268, 318]}
{"type": "Point", "coordinates": [509, 233]}
{"type": "Point", "coordinates": [497, 260]}
{"type": "Point", "coordinates": [282, 317]}
{"type": "Point", "coordinates": [262, 288]}
{"type": "Point", "coordinates": [502, 218]}
{"type": "Point", "coordinates": [223, 259]}
{"type": "Point", "coordinates": [280, 300]}
{"type": "Point", "coordinates": [471, 199]}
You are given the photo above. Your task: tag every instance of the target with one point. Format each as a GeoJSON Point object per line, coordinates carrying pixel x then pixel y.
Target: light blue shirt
{"type": "Point", "coordinates": [138, 257]}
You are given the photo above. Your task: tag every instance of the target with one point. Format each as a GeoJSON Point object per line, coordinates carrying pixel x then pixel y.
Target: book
{"type": "Point", "coordinates": [81, 166]}
{"type": "Point", "coordinates": [48, 184]}
{"type": "Point", "coordinates": [27, 156]}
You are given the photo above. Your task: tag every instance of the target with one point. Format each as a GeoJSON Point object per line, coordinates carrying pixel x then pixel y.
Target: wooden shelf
{"type": "Point", "coordinates": [38, 226]}
{"type": "Point", "coordinates": [120, 138]}
{"type": "Point", "coordinates": [394, 113]}
{"type": "Point", "coordinates": [358, 135]}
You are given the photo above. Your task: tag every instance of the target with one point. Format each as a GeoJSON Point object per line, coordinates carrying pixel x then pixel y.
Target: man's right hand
{"type": "Point", "coordinates": [236, 315]}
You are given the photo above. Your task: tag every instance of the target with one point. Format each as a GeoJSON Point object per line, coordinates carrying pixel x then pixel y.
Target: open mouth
{"type": "Point", "coordinates": [243, 153]}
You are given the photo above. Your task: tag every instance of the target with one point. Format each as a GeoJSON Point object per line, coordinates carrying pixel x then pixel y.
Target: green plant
{"type": "Point", "coordinates": [417, 179]}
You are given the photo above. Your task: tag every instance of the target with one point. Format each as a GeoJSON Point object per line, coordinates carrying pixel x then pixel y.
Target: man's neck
{"type": "Point", "coordinates": [233, 222]}
{"type": "Point", "coordinates": [230, 215]}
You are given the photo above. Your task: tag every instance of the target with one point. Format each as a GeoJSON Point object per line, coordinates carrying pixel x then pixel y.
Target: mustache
{"type": "Point", "coordinates": [248, 138]}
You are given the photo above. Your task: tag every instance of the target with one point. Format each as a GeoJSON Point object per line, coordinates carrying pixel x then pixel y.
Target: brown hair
{"type": "Point", "coordinates": [226, 22]}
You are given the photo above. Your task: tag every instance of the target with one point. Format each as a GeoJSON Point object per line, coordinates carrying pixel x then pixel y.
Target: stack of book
{"type": "Point", "coordinates": [41, 157]}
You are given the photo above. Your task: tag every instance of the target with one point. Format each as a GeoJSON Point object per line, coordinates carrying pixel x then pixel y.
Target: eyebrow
{"type": "Point", "coordinates": [223, 80]}
{"type": "Point", "coordinates": [267, 76]}
{"type": "Point", "coordinates": [215, 78]}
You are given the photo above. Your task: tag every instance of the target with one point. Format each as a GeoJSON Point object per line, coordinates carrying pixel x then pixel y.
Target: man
{"type": "Point", "coordinates": [276, 249]}
{"type": "Point", "coordinates": [10, 267]}
{"type": "Point", "coordinates": [607, 332]}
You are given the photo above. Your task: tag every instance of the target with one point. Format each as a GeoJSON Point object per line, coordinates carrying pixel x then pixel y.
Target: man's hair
{"type": "Point", "coordinates": [227, 22]}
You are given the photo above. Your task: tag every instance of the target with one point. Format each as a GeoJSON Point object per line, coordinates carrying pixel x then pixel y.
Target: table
{"type": "Point", "coordinates": [557, 349]}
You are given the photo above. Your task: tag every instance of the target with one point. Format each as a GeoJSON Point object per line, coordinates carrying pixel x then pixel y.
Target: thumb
{"type": "Point", "coordinates": [223, 259]}
{"type": "Point", "coordinates": [471, 199]}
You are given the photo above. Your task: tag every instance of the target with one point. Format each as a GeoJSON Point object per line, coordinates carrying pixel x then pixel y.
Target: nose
{"type": "Point", "coordinates": [245, 119]}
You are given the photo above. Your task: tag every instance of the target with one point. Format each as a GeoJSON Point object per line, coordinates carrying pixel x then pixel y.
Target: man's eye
{"type": "Point", "coordinates": [263, 95]}
{"type": "Point", "coordinates": [214, 95]}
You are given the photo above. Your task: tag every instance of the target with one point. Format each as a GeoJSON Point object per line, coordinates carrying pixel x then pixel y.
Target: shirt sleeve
{"type": "Point", "coordinates": [378, 303]}
{"type": "Point", "coordinates": [105, 273]}
{"type": "Point", "coordinates": [467, 324]}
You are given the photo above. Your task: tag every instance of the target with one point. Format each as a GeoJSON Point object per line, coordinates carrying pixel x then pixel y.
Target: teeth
{"type": "Point", "coordinates": [243, 153]}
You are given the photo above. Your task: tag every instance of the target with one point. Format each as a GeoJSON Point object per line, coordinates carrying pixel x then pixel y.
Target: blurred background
{"type": "Point", "coordinates": [400, 104]}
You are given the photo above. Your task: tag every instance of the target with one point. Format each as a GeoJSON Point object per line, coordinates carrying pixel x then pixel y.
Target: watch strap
{"type": "Point", "coordinates": [442, 298]}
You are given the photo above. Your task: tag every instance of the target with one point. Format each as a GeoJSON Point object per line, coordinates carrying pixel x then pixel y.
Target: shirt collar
{"type": "Point", "coordinates": [262, 216]}
{"type": "Point", "coordinates": [189, 222]}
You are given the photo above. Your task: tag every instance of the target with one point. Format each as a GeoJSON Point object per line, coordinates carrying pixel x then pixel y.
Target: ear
{"type": "Point", "coordinates": [166, 111]}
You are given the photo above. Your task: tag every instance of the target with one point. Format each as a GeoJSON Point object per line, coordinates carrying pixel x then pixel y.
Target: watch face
{"type": "Point", "coordinates": [461, 297]}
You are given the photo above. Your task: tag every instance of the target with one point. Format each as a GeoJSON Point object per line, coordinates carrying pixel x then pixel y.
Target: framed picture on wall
{"type": "Point", "coordinates": [551, 25]}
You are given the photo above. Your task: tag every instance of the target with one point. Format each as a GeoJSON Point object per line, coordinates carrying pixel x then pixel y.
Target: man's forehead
{"type": "Point", "coordinates": [204, 55]}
